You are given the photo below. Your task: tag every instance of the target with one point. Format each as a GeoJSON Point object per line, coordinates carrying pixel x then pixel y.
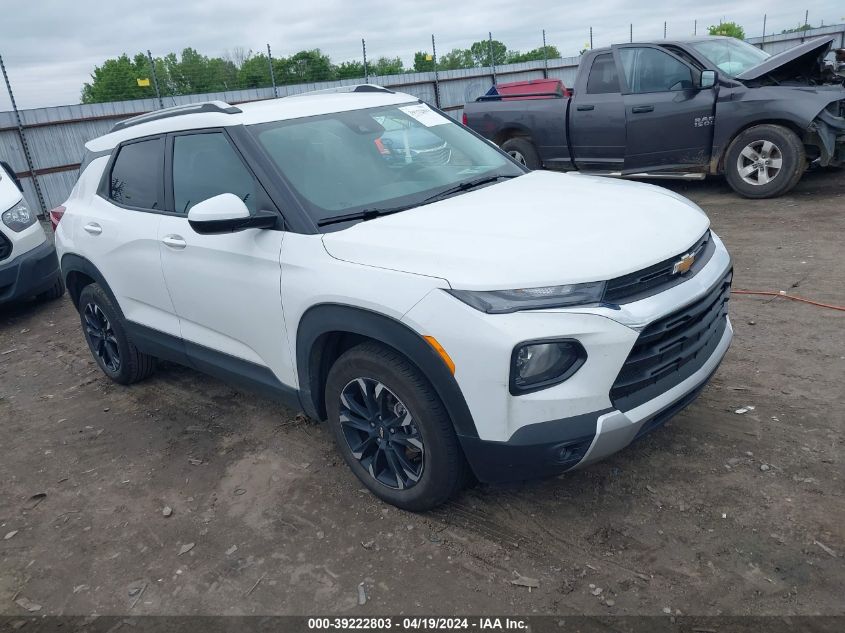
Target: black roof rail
{"type": "Point", "coordinates": [191, 108]}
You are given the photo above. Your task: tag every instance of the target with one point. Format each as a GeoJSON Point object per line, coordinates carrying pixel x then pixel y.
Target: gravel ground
{"type": "Point", "coordinates": [717, 513]}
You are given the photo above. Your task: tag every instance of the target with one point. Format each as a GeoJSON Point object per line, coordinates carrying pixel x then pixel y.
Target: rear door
{"type": "Point", "coordinates": [597, 119]}
{"type": "Point", "coordinates": [118, 233]}
{"type": "Point", "coordinates": [226, 288]}
{"type": "Point", "coordinates": [669, 119]}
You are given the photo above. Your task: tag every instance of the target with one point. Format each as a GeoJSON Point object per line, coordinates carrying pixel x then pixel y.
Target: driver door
{"type": "Point", "coordinates": [668, 118]}
{"type": "Point", "coordinates": [226, 288]}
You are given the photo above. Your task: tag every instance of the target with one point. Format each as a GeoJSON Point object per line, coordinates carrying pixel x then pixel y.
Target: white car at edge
{"type": "Point", "coordinates": [28, 264]}
{"type": "Point", "coordinates": [445, 317]}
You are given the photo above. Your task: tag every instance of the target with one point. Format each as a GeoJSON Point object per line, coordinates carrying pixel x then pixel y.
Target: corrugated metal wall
{"type": "Point", "coordinates": [56, 135]}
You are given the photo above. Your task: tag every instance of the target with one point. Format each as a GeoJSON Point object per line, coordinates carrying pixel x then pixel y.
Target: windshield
{"type": "Point", "coordinates": [730, 55]}
{"type": "Point", "coordinates": [377, 159]}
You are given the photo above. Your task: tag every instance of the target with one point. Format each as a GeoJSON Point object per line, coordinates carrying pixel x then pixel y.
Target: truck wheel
{"type": "Point", "coordinates": [392, 429]}
{"type": "Point", "coordinates": [765, 161]}
{"type": "Point", "coordinates": [106, 336]}
{"type": "Point", "coordinates": [522, 151]}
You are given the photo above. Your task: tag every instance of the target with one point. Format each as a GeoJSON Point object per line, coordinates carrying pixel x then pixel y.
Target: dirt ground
{"type": "Point", "coordinates": [717, 513]}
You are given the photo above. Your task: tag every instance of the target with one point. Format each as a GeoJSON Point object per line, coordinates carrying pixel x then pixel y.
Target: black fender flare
{"type": "Point", "coordinates": [321, 320]}
{"type": "Point", "coordinates": [76, 263]}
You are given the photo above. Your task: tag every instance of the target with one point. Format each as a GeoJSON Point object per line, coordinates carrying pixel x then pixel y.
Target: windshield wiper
{"type": "Point", "coordinates": [465, 186]}
{"type": "Point", "coordinates": [369, 214]}
{"type": "Point", "coordinates": [364, 214]}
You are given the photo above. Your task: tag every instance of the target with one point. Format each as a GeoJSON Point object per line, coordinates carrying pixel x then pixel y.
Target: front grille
{"type": "Point", "coordinates": [5, 247]}
{"type": "Point", "coordinates": [673, 348]}
{"type": "Point", "coordinates": [659, 277]}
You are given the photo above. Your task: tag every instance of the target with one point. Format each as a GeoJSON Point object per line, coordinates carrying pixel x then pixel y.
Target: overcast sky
{"type": "Point", "coordinates": [50, 47]}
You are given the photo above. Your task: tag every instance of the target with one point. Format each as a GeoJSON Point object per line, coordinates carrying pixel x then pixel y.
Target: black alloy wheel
{"type": "Point", "coordinates": [381, 433]}
{"type": "Point", "coordinates": [101, 337]}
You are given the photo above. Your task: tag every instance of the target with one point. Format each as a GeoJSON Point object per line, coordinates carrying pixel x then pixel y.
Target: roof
{"type": "Point", "coordinates": [223, 115]}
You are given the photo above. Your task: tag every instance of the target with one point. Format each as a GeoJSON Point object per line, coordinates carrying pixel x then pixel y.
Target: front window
{"type": "Point", "coordinates": [731, 56]}
{"type": "Point", "coordinates": [377, 159]}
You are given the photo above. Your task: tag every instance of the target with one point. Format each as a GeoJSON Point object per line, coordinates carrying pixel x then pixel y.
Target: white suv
{"type": "Point", "coordinates": [28, 264]}
{"type": "Point", "coordinates": [446, 317]}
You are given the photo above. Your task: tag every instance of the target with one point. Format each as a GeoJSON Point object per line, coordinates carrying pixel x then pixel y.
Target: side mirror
{"type": "Point", "coordinates": [708, 79]}
{"type": "Point", "coordinates": [227, 213]}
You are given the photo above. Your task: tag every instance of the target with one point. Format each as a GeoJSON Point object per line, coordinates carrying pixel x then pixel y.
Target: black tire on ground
{"type": "Point", "coordinates": [747, 171]}
{"type": "Point", "coordinates": [56, 291]}
{"type": "Point", "coordinates": [522, 151]}
{"type": "Point", "coordinates": [443, 469]}
{"type": "Point", "coordinates": [105, 333]}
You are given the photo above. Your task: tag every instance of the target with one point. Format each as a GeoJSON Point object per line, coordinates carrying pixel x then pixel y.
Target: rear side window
{"type": "Point", "coordinates": [136, 177]}
{"type": "Point", "coordinates": [206, 165]}
{"type": "Point", "coordinates": [603, 78]}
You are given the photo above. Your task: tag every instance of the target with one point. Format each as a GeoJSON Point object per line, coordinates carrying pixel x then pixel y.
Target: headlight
{"type": "Point", "coordinates": [502, 301]}
{"type": "Point", "coordinates": [19, 217]}
{"type": "Point", "coordinates": [540, 364]}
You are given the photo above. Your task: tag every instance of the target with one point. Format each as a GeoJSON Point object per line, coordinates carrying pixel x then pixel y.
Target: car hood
{"type": "Point", "coordinates": [804, 60]}
{"type": "Point", "coordinates": [540, 229]}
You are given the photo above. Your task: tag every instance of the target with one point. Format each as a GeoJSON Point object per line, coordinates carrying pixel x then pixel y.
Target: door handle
{"type": "Point", "coordinates": [174, 241]}
{"type": "Point", "coordinates": [643, 108]}
{"type": "Point", "coordinates": [584, 108]}
{"type": "Point", "coordinates": [93, 228]}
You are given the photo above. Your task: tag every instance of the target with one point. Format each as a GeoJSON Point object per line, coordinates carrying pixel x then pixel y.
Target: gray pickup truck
{"type": "Point", "coordinates": [681, 109]}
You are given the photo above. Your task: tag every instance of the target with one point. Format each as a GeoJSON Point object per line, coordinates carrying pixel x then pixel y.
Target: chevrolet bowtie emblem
{"type": "Point", "coordinates": [683, 265]}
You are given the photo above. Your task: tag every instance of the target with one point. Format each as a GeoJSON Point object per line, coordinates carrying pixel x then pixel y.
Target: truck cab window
{"type": "Point", "coordinates": [603, 78]}
{"type": "Point", "coordinates": [652, 70]}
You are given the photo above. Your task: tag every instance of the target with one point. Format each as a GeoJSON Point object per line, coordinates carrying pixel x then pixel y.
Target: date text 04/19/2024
{"type": "Point", "coordinates": [419, 623]}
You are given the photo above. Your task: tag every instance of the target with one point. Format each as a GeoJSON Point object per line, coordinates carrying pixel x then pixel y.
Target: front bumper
{"type": "Point", "coordinates": [28, 274]}
{"type": "Point", "coordinates": [557, 446]}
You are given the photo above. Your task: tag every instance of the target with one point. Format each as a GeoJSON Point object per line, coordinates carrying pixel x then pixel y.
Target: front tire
{"type": "Point", "coordinates": [522, 151]}
{"type": "Point", "coordinates": [392, 428]}
{"type": "Point", "coordinates": [106, 335]}
{"type": "Point", "coordinates": [765, 161]}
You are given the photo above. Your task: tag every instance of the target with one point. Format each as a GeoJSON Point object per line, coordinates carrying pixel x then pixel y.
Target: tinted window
{"type": "Point", "coordinates": [603, 78]}
{"type": "Point", "coordinates": [652, 70]}
{"type": "Point", "coordinates": [136, 178]}
{"type": "Point", "coordinates": [206, 165]}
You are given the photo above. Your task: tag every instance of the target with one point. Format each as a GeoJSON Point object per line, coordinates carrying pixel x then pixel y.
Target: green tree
{"type": "Point", "coordinates": [195, 73]}
{"type": "Point", "coordinates": [456, 58]}
{"type": "Point", "coordinates": [255, 71]}
{"type": "Point", "coordinates": [349, 70]}
{"type": "Point", "coordinates": [306, 66]}
{"type": "Point", "coordinates": [387, 66]}
{"type": "Point", "coordinates": [480, 52]}
{"type": "Point", "coordinates": [729, 29]}
{"type": "Point", "coordinates": [515, 57]}
{"type": "Point", "coordinates": [423, 62]}
{"type": "Point", "coordinates": [117, 80]}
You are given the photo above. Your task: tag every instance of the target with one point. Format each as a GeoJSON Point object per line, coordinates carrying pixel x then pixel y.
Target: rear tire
{"type": "Point", "coordinates": [522, 151]}
{"type": "Point", "coordinates": [392, 429]}
{"type": "Point", "coordinates": [765, 161]}
{"type": "Point", "coordinates": [55, 292]}
{"type": "Point", "coordinates": [106, 335]}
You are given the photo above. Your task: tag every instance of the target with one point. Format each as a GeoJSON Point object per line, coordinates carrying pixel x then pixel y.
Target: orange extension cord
{"type": "Point", "coordinates": [786, 296]}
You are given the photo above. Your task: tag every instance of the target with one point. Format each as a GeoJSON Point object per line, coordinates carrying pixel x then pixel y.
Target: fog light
{"type": "Point", "coordinates": [540, 364]}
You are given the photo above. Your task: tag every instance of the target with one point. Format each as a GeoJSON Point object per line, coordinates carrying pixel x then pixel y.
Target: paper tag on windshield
{"type": "Point", "coordinates": [425, 115]}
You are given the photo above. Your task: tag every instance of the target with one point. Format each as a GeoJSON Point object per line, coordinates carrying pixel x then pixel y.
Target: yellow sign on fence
{"type": "Point", "coordinates": [144, 83]}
